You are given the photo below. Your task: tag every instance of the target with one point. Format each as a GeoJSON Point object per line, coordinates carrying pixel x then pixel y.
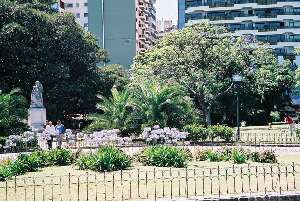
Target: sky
{"type": "Point", "coordinates": [166, 9]}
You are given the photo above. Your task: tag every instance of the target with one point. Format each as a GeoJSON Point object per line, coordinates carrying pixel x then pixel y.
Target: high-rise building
{"type": "Point", "coordinates": [181, 14]}
{"type": "Point", "coordinates": [276, 22]}
{"type": "Point", "coordinates": [123, 27]}
{"type": "Point", "coordinates": [79, 8]}
{"type": "Point", "coordinates": [164, 27]}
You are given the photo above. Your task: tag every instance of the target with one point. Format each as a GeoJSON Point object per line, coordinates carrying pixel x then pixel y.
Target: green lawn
{"type": "Point", "coordinates": [140, 182]}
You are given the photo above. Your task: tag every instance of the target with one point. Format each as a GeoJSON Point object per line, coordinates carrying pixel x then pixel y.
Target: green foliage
{"type": "Point", "coordinates": [161, 104]}
{"type": "Point", "coordinates": [141, 106]}
{"type": "Point", "coordinates": [35, 160]}
{"type": "Point", "coordinates": [12, 113]}
{"type": "Point", "coordinates": [238, 156]}
{"type": "Point", "coordinates": [196, 132]}
{"type": "Point", "coordinates": [106, 159]}
{"type": "Point", "coordinates": [59, 157]}
{"type": "Point", "coordinates": [115, 112]}
{"type": "Point", "coordinates": [55, 50]}
{"type": "Point", "coordinates": [214, 156]}
{"type": "Point", "coordinates": [224, 132]}
{"type": "Point", "coordinates": [275, 116]}
{"type": "Point", "coordinates": [202, 154]}
{"type": "Point", "coordinates": [202, 59]}
{"type": "Point", "coordinates": [164, 156]}
{"type": "Point", "coordinates": [268, 156]}
{"type": "Point", "coordinates": [112, 76]}
{"type": "Point", "coordinates": [254, 156]}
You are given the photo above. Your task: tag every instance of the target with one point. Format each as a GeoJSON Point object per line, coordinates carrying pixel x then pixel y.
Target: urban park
{"type": "Point", "coordinates": [201, 115]}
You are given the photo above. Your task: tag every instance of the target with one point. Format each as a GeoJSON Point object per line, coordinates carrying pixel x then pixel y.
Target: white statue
{"type": "Point", "coordinates": [37, 96]}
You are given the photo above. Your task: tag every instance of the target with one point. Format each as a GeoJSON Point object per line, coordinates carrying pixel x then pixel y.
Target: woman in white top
{"type": "Point", "coordinates": [50, 128]}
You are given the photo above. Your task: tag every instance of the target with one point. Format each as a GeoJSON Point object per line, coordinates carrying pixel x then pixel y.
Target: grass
{"type": "Point", "coordinates": [142, 182]}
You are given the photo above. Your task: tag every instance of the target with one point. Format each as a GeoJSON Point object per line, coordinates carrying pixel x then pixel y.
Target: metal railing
{"type": "Point", "coordinates": [154, 183]}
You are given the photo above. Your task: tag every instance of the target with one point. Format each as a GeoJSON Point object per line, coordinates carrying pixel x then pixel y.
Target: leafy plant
{"type": "Point", "coordinates": [106, 159]}
{"type": "Point", "coordinates": [224, 132]}
{"type": "Point", "coordinates": [196, 132]}
{"type": "Point", "coordinates": [238, 156]}
{"type": "Point", "coordinates": [4, 172]}
{"type": "Point", "coordinates": [59, 157]}
{"type": "Point", "coordinates": [202, 154]}
{"type": "Point", "coordinates": [268, 156]}
{"type": "Point", "coordinates": [254, 156]}
{"type": "Point", "coordinates": [275, 116]}
{"type": "Point", "coordinates": [214, 156]}
{"type": "Point", "coordinates": [164, 156]}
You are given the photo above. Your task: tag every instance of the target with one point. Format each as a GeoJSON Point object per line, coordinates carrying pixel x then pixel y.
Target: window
{"type": "Point", "coordinates": [69, 5]}
{"type": "Point", "coordinates": [86, 4]}
{"type": "Point", "coordinates": [77, 15]}
{"type": "Point", "coordinates": [77, 5]}
{"type": "Point", "coordinates": [86, 14]}
{"type": "Point", "coordinates": [86, 25]}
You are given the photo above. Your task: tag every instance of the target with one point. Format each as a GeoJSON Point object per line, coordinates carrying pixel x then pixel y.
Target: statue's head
{"type": "Point", "coordinates": [37, 82]}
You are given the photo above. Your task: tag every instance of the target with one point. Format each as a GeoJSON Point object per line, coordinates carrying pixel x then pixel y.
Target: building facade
{"type": "Point", "coordinates": [123, 28]}
{"type": "Point", "coordinates": [164, 27]}
{"type": "Point", "coordinates": [79, 8]}
{"type": "Point", "coordinates": [276, 22]}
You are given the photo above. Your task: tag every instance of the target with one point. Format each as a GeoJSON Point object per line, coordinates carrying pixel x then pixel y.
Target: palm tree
{"type": "Point", "coordinates": [157, 104]}
{"type": "Point", "coordinates": [114, 111]}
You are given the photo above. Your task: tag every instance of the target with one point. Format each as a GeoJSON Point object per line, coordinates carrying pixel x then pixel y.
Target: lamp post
{"type": "Point", "coordinates": [237, 79]}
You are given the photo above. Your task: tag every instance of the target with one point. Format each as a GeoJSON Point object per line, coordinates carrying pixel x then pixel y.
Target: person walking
{"type": "Point", "coordinates": [50, 128]}
{"type": "Point", "coordinates": [60, 131]}
{"type": "Point", "coordinates": [290, 121]}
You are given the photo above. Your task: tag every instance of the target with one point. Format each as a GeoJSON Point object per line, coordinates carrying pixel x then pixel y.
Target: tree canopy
{"type": "Point", "coordinates": [203, 58]}
{"type": "Point", "coordinates": [38, 43]}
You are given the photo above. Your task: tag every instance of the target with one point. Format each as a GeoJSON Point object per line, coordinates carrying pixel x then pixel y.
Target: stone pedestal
{"type": "Point", "coordinates": [37, 118]}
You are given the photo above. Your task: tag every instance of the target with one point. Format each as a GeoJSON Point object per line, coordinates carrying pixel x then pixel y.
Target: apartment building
{"type": "Point", "coordinates": [276, 22]}
{"type": "Point", "coordinates": [123, 27]}
{"type": "Point", "coordinates": [79, 8]}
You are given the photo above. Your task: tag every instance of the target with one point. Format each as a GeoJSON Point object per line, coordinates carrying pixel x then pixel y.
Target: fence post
{"type": "Point", "coordinates": [187, 182]}
{"type": "Point", "coordinates": [69, 185]}
{"type": "Point", "coordinates": [15, 187]}
{"type": "Point", "coordinates": [242, 179]}
{"type": "Point", "coordinates": [233, 171]}
{"type": "Point", "coordinates": [87, 186]}
{"type": "Point", "coordinates": [203, 181]}
{"type": "Point", "coordinates": [163, 180]}
{"type": "Point", "coordinates": [25, 189]}
{"type": "Point", "coordinates": [279, 178]}
{"type": "Point", "coordinates": [6, 190]}
{"type": "Point", "coordinates": [286, 177]}
{"type": "Point", "coordinates": [294, 176]}
{"type": "Point", "coordinates": [104, 180]}
{"type": "Point", "coordinates": [154, 177]}
{"type": "Point", "coordinates": [78, 188]}
{"type": "Point", "coordinates": [195, 184]}
{"type": "Point", "coordinates": [171, 183]}
{"type": "Point", "coordinates": [226, 180]}
{"type": "Point", "coordinates": [130, 189]}
{"type": "Point", "coordinates": [147, 184]}
{"type": "Point", "coordinates": [33, 188]}
{"type": "Point", "coordinates": [52, 186]}
{"type": "Point", "coordinates": [265, 187]}
{"type": "Point", "coordinates": [256, 175]}
{"type": "Point", "coordinates": [122, 185]}
{"type": "Point", "coordinates": [43, 189]}
{"type": "Point", "coordinates": [138, 183]}
{"type": "Point", "coordinates": [96, 186]}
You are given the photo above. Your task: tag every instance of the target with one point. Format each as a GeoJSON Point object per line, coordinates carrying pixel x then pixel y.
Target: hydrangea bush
{"type": "Point", "coordinates": [157, 135]}
{"type": "Point", "coordinates": [106, 137]}
{"type": "Point", "coordinates": [28, 139]}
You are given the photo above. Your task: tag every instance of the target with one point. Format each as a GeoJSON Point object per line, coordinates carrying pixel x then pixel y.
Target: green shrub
{"type": "Point", "coordinates": [226, 153]}
{"type": "Point", "coordinates": [275, 116]}
{"type": "Point", "coordinates": [254, 156]}
{"type": "Point", "coordinates": [268, 156]}
{"type": "Point", "coordinates": [4, 172]}
{"type": "Point", "coordinates": [214, 156]}
{"type": "Point", "coordinates": [59, 157]}
{"type": "Point", "coordinates": [17, 168]}
{"type": "Point", "coordinates": [238, 156]}
{"type": "Point", "coordinates": [30, 162]}
{"type": "Point", "coordinates": [106, 159]}
{"type": "Point", "coordinates": [196, 132]}
{"type": "Point", "coordinates": [164, 156]}
{"type": "Point", "coordinates": [201, 155]}
{"type": "Point", "coordinates": [224, 132]}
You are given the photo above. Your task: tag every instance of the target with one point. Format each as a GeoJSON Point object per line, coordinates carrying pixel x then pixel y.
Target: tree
{"type": "Point", "coordinates": [12, 113]}
{"type": "Point", "coordinates": [39, 44]}
{"type": "Point", "coordinates": [113, 113]}
{"type": "Point", "coordinates": [163, 105]}
{"type": "Point", "coordinates": [202, 59]}
{"type": "Point", "coordinates": [113, 75]}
